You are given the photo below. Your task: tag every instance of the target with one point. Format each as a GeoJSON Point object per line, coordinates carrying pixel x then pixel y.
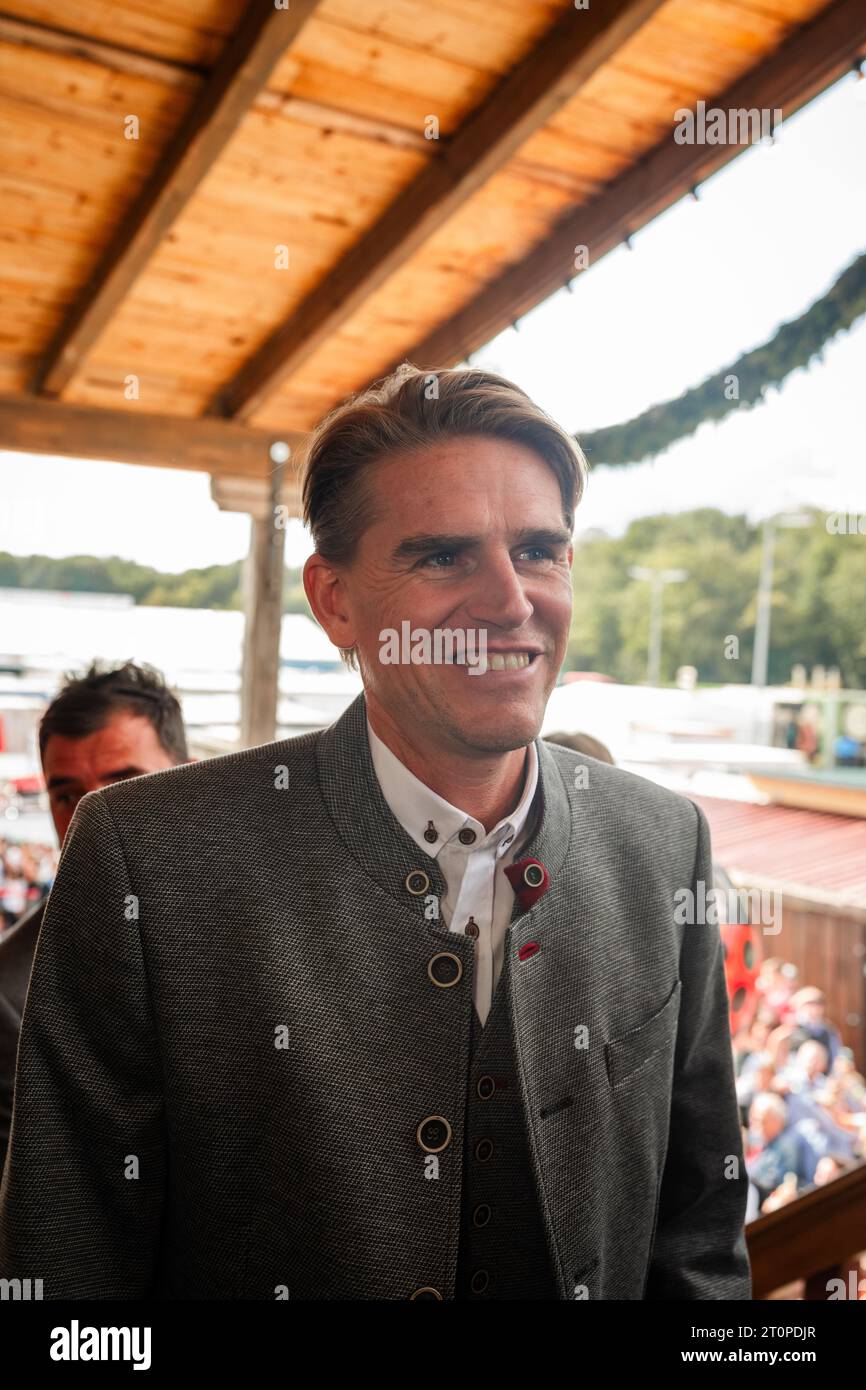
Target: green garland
{"type": "Point", "coordinates": [794, 345]}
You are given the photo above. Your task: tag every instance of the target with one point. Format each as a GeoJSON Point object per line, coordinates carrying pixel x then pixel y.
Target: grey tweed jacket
{"type": "Point", "coordinates": [230, 1039]}
{"type": "Point", "coordinates": [16, 961]}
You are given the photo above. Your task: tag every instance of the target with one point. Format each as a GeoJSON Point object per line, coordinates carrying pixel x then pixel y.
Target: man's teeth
{"type": "Point", "coordinates": [507, 661]}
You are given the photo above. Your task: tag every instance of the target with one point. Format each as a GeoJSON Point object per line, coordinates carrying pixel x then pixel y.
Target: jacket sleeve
{"type": "Point", "coordinates": [82, 1191]}
{"type": "Point", "coordinates": [700, 1246]}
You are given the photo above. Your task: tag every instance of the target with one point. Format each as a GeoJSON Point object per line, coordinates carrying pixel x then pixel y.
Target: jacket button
{"type": "Point", "coordinates": [485, 1087]}
{"type": "Point", "coordinates": [484, 1150]}
{"type": "Point", "coordinates": [479, 1281]}
{"type": "Point", "coordinates": [427, 1292]}
{"type": "Point", "coordinates": [417, 882]}
{"type": "Point", "coordinates": [445, 969]}
{"type": "Point", "coordinates": [533, 875]}
{"type": "Point", "coordinates": [433, 1134]}
{"type": "Point", "coordinates": [481, 1214]}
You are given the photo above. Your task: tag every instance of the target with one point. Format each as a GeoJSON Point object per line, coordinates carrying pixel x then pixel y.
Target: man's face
{"type": "Point", "coordinates": [127, 746]}
{"type": "Point", "coordinates": [766, 1124]}
{"type": "Point", "coordinates": [812, 1011]}
{"type": "Point", "coordinates": [470, 536]}
{"type": "Point", "coordinates": [813, 1059]}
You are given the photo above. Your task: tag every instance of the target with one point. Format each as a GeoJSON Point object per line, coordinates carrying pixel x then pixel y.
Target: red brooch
{"type": "Point", "coordinates": [529, 879]}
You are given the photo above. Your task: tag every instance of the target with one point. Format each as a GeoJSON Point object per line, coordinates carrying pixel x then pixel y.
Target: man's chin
{"type": "Point", "coordinates": [498, 732]}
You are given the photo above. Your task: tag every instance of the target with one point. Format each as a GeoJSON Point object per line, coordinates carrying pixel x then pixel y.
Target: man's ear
{"type": "Point", "coordinates": [327, 598]}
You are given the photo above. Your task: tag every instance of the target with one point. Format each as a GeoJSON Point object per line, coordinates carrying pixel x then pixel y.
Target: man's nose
{"type": "Point", "coordinates": [498, 594]}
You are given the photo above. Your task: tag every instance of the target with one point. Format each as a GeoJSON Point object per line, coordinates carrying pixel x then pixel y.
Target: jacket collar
{"type": "Point", "coordinates": [416, 805]}
{"type": "Point", "coordinates": [378, 842]}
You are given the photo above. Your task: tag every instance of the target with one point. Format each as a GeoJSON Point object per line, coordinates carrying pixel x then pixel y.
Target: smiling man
{"type": "Point", "coordinates": [400, 1009]}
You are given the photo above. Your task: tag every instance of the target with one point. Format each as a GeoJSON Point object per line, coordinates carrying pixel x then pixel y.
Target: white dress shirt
{"type": "Point", "coordinates": [476, 886]}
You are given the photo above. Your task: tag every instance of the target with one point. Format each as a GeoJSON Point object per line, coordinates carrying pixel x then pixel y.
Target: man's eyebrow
{"type": "Point", "coordinates": [119, 776]}
{"type": "Point", "coordinates": [426, 543]}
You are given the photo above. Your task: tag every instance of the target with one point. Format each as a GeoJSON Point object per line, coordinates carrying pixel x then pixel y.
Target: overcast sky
{"type": "Point", "coordinates": [705, 282]}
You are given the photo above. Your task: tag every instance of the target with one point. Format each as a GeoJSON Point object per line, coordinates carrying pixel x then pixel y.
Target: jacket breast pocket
{"type": "Point", "coordinates": [629, 1054]}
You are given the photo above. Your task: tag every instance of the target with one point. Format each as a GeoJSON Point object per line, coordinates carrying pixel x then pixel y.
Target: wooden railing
{"type": "Point", "coordinates": [813, 1238]}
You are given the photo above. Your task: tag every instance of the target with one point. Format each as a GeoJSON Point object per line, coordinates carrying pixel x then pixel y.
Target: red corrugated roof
{"type": "Point", "coordinates": [811, 849]}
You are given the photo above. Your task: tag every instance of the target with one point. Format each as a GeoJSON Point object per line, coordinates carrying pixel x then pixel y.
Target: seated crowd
{"type": "Point", "coordinates": [802, 1100]}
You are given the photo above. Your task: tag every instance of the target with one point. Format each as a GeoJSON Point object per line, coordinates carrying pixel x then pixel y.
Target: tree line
{"type": "Point", "coordinates": [818, 598]}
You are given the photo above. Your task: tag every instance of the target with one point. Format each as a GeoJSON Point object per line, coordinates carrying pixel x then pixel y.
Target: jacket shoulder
{"type": "Point", "coordinates": [631, 793]}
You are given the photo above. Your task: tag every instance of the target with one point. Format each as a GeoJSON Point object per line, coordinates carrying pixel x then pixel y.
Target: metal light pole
{"type": "Point", "coordinates": [761, 652]}
{"type": "Point", "coordinates": [658, 579]}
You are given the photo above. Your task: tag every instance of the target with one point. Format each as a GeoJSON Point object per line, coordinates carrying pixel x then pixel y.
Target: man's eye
{"type": "Point", "coordinates": [542, 550]}
{"type": "Point", "coordinates": [429, 559]}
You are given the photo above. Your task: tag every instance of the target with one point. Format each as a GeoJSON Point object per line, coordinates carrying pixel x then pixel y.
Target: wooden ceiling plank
{"type": "Point", "coordinates": [538, 87]}
{"type": "Point", "coordinates": [194, 32]}
{"type": "Point", "coordinates": [34, 425]}
{"type": "Point", "coordinates": [803, 66]}
{"type": "Point", "coordinates": [242, 72]}
{"type": "Point", "coordinates": [112, 56]}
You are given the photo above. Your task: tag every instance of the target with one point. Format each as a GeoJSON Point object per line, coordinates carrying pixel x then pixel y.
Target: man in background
{"type": "Point", "coordinates": [102, 727]}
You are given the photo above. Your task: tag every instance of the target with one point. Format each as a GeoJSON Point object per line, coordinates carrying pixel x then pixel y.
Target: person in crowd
{"type": "Point", "coordinates": [809, 1008]}
{"type": "Point", "coordinates": [852, 1082]}
{"type": "Point", "coordinates": [763, 1034]}
{"type": "Point", "coordinates": [810, 1110]}
{"type": "Point", "coordinates": [102, 727]}
{"type": "Point", "coordinates": [775, 1149]}
{"type": "Point", "coordinates": [805, 1073]}
{"type": "Point", "coordinates": [845, 1112]}
{"type": "Point", "coordinates": [752, 1080]}
{"type": "Point", "coordinates": [401, 1008]}
{"type": "Point", "coordinates": [776, 982]}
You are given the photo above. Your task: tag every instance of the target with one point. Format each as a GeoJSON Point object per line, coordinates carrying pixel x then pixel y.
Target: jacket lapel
{"type": "Point", "coordinates": [549, 826]}
{"type": "Point", "coordinates": [364, 820]}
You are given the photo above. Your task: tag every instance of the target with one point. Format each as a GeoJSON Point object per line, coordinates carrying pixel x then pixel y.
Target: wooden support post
{"type": "Point", "coordinates": [269, 506]}
{"type": "Point", "coordinates": [263, 605]}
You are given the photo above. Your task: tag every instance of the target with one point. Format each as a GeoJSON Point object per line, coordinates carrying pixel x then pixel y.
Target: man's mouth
{"type": "Point", "coordinates": [508, 661]}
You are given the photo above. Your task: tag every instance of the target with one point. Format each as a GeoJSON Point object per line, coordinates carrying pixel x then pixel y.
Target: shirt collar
{"type": "Point", "coordinates": [414, 804]}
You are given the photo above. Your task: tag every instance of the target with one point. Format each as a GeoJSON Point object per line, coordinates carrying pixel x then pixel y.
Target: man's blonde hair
{"type": "Point", "coordinates": [405, 413]}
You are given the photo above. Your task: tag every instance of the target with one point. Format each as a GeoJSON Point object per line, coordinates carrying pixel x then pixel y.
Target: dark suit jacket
{"type": "Point", "coordinates": [231, 1039]}
{"type": "Point", "coordinates": [17, 947]}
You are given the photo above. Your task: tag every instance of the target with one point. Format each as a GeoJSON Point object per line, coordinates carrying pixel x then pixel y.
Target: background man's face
{"type": "Point", "coordinates": [499, 563]}
{"type": "Point", "coordinates": [127, 746]}
{"type": "Point", "coordinates": [813, 1058]}
{"type": "Point", "coordinates": [766, 1124]}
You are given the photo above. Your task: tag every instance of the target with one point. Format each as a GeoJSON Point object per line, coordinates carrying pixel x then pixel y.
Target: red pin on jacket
{"type": "Point", "coordinates": [529, 879]}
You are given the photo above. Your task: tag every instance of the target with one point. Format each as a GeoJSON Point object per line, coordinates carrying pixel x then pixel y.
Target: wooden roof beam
{"type": "Point", "coordinates": [803, 66]}
{"type": "Point", "coordinates": [576, 46]}
{"type": "Point", "coordinates": [223, 448]}
{"type": "Point", "coordinates": [249, 58]}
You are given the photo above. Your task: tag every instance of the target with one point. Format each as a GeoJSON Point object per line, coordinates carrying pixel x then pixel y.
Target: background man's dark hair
{"type": "Point", "coordinates": [86, 702]}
